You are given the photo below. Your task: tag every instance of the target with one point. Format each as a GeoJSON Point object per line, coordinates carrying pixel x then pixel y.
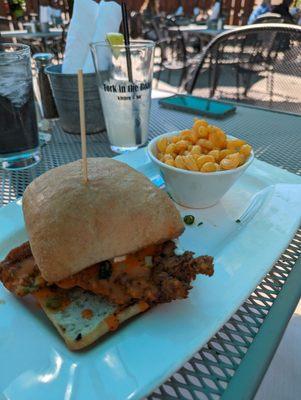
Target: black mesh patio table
{"type": "Point", "coordinates": [231, 365]}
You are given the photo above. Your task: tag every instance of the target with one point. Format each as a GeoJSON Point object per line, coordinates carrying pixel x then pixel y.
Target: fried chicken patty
{"type": "Point", "coordinates": [155, 275]}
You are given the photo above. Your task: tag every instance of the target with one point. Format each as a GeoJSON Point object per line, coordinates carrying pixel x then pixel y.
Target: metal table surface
{"type": "Point", "coordinates": [53, 32]}
{"type": "Point", "coordinates": [234, 361]}
{"type": "Point", "coordinates": [200, 29]}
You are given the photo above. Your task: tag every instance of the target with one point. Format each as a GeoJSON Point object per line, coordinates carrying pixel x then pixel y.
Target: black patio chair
{"type": "Point", "coordinates": [172, 47]}
{"type": "Point", "coordinates": [57, 45]}
{"type": "Point", "coordinates": [5, 24]}
{"type": "Point", "coordinates": [252, 55]}
{"type": "Point", "coordinates": [268, 18]}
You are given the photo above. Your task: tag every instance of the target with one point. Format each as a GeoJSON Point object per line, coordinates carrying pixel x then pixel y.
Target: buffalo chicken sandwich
{"type": "Point", "coordinates": [99, 253]}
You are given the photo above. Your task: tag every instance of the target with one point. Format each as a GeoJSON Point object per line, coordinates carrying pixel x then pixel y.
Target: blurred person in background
{"type": "Point", "coordinates": [150, 8]}
{"type": "Point", "coordinates": [284, 10]}
{"type": "Point", "coordinates": [196, 9]}
{"type": "Point", "coordinates": [263, 8]}
{"type": "Point", "coordinates": [215, 11]}
{"type": "Point", "coordinates": [50, 11]}
{"type": "Point", "coordinates": [295, 11]}
{"type": "Point", "coordinates": [180, 9]}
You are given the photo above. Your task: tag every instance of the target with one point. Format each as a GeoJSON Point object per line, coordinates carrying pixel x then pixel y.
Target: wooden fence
{"type": "Point", "coordinates": [236, 11]}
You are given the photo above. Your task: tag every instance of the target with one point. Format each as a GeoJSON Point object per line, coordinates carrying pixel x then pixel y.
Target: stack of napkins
{"type": "Point", "coordinates": [90, 23]}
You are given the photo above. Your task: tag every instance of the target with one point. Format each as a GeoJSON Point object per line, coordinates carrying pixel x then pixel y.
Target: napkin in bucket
{"type": "Point", "coordinates": [90, 23]}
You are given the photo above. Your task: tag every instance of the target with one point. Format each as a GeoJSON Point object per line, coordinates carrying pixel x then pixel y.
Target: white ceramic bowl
{"type": "Point", "coordinates": [195, 189]}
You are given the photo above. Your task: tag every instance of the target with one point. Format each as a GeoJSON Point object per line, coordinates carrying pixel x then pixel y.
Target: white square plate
{"type": "Point", "coordinates": [129, 364]}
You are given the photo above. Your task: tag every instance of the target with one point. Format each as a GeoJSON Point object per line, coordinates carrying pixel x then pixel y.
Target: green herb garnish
{"type": "Point", "coordinates": [30, 289]}
{"type": "Point", "coordinates": [105, 270]}
{"type": "Point", "coordinates": [189, 219]}
{"type": "Point", "coordinates": [78, 337]}
{"type": "Point", "coordinates": [54, 303]}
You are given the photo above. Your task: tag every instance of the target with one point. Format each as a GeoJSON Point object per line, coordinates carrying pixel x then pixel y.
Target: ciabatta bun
{"type": "Point", "coordinates": [72, 225]}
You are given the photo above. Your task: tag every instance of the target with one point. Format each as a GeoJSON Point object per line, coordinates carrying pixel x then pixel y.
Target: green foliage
{"type": "Point", "coordinates": [17, 7]}
{"type": "Point", "coordinates": [21, 3]}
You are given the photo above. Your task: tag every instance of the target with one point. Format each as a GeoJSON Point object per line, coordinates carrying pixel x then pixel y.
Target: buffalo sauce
{"type": "Point", "coordinates": [42, 294]}
{"type": "Point", "coordinates": [87, 313]}
{"type": "Point", "coordinates": [133, 266]}
{"type": "Point", "coordinates": [137, 259]}
{"type": "Point", "coordinates": [54, 300]}
{"type": "Point", "coordinates": [112, 322]}
{"type": "Point", "coordinates": [143, 306]}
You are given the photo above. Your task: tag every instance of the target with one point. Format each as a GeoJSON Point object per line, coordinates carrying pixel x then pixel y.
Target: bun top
{"type": "Point", "coordinates": [72, 225]}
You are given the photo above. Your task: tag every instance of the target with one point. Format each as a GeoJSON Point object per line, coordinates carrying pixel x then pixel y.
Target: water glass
{"type": "Point", "coordinates": [124, 78]}
{"type": "Point", "coordinates": [19, 141]}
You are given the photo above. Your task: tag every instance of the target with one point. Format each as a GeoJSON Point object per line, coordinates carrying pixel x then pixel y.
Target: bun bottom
{"type": "Point", "coordinates": [82, 317]}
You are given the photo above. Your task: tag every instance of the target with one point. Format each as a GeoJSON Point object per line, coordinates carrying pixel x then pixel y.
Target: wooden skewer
{"type": "Point", "coordinates": [82, 117]}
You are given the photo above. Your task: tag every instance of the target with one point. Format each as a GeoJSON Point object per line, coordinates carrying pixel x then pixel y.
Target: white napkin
{"type": "Point", "coordinates": [80, 33]}
{"type": "Point", "coordinates": [108, 20]}
{"type": "Point", "coordinates": [90, 23]}
{"type": "Point", "coordinates": [215, 11]}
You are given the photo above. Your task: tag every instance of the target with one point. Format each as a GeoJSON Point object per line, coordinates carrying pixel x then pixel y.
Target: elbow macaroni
{"type": "Point", "coordinates": [203, 148]}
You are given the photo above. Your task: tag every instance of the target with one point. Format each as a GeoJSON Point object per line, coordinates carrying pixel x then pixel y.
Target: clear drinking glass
{"type": "Point", "coordinates": [19, 140]}
{"type": "Point", "coordinates": [124, 76]}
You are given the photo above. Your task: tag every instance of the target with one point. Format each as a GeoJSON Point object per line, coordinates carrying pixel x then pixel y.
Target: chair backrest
{"type": "Point", "coordinates": [268, 18]}
{"type": "Point", "coordinates": [136, 25]}
{"type": "Point", "coordinates": [171, 41]}
{"type": "Point", "coordinates": [6, 24]}
{"type": "Point", "coordinates": [258, 64]}
{"type": "Point", "coordinates": [151, 28]}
